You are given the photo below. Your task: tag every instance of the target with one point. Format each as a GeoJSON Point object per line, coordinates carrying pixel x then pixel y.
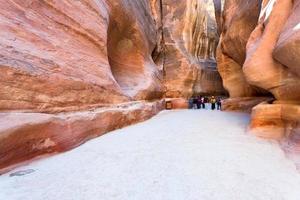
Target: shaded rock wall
{"type": "Point", "coordinates": [239, 18]}
{"type": "Point", "coordinates": [191, 37]}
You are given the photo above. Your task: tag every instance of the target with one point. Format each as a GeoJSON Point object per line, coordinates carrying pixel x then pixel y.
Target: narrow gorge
{"type": "Point", "coordinates": [73, 70]}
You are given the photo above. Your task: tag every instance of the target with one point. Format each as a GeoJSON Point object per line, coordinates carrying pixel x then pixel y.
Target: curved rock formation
{"type": "Point", "coordinates": [23, 136]}
{"type": "Point", "coordinates": [238, 21]}
{"type": "Point", "coordinates": [53, 58]}
{"type": "Point", "coordinates": [260, 68]}
{"type": "Point", "coordinates": [78, 56]}
{"type": "Point", "coordinates": [271, 63]}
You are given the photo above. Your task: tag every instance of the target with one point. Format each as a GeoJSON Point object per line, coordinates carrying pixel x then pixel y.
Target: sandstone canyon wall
{"type": "Point", "coordinates": [274, 48]}
{"type": "Point", "coordinates": [191, 37]}
{"type": "Point", "coordinates": [73, 70]}
{"type": "Point", "coordinates": [68, 54]}
{"type": "Point", "coordinates": [258, 55]}
{"type": "Point", "coordinates": [78, 63]}
{"type": "Point", "coordinates": [239, 18]}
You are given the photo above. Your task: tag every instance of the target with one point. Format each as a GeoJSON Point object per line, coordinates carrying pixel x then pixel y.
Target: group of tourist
{"type": "Point", "coordinates": [200, 101]}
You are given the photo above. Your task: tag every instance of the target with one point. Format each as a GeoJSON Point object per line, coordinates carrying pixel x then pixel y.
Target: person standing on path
{"type": "Point", "coordinates": [203, 102]}
{"type": "Point", "coordinates": [190, 102]}
{"type": "Point", "coordinates": [219, 103]}
{"type": "Point", "coordinates": [213, 103]}
{"type": "Point", "coordinates": [195, 102]}
{"type": "Point", "coordinates": [199, 102]}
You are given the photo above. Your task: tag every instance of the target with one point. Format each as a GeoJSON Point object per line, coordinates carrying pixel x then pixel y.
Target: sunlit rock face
{"type": "Point", "coordinates": [261, 67]}
{"type": "Point", "coordinates": [84, 56]}
{"type": "Point", "coordinates": [191, 36]}
{"type": "Point", "coordinates": [272, 63]}
{"type": "Point", "coordinates": [70, 55]}
{"type": "Point", "coordinates": [258, 53]}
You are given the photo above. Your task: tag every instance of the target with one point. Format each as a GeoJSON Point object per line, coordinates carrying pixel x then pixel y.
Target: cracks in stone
{"type": "Point", "coordinates": [159, 52]}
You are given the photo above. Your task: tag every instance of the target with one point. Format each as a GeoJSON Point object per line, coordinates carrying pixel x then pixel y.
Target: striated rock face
{"type": "Point", "coordinates": [24, 136]}
{"type": "Point", "coordinates": [65, 67]}
{"type": "Point", "coordinates": [269, 62]}
{"type": "Point", "coordinates": [260, 68]}
{"type": "Point", "coordinates": [190, 35]}
{"type": "Point", "coordinates": [68, 55]}
{"type": "Point", "coordinates": [272, 63]}
{"type": "Point", "coordinates": [75, 56]}
{"type": "Point", "coordinates": [238, 21]}
{"type": "Point", "coordinates": [287, 49]}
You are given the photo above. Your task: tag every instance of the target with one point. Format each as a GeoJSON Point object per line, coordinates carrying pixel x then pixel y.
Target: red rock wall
{"type": "Point", "coordinates": [65, 64]}
{"type": "Point", "coordinates": [24, 136]}
{"type": "Point", "coordinates": [69, 55]}
{"type": "Point", "coordinates": [191, 36]}
{"type": "Point", "coordinates": [61, 56]}
{"type": "Point", "coordinates": [239, 18]}
{"type": "Point", "coordinates": [258, 53]}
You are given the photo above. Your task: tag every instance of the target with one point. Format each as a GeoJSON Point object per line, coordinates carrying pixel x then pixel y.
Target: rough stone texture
{"type": "Point", "coordinates": [287, 49]}
{"type": "Point", "coordinates": [24, 136]}
{"type": "Point", "coordinates": [62, 56]}
{"type": "Point", "coordinates": [57, 55]}
{"type": "Point", "coordinates": [280, 122]}
{"type": "Point", "coordinates": [244, 104]}
{"type": "Point", "coordinates": [239, 20]}
{"type": "Point", "coordinates": [272, 63]}
{"type": "Point", "coordinates": [269, 61]}
{"type": "Point", "coordinates": [190, 35]}
{"type": "Point", "coordinates": [179, 103]}
{"type": "Point", "coordinates": [260, 68]}
{"type": "Point", "coordinates": [276, 121]}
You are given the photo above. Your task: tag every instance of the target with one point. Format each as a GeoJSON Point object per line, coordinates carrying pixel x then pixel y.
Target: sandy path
{"type": "Point", "coordinates": [177, 155]}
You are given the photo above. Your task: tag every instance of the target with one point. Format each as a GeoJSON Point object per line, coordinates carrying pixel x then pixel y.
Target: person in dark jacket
{"type": "Point", "coordinates": [195, 103]}
{"type": "Point", "coordinates": [219, 103]}
{"type": "Point", "coordinates": [199, 102]}
{"type": "Point", "coordinates": [191, 103]}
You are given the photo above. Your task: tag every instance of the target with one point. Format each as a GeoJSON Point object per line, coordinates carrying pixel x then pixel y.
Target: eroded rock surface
{"type": "Point", "coordinates": [238, 21]}
{"type": "Point", "coordinates": [71, 54]}
{"type": "Point", "coordinates": [191, 37]}
{"type": "Point", "coordinates": [269, 62]}
{"type": "Point", "coordinates": [24, 136]}
{"type": "Point", "coordinates": [260, 68]}
{"type": "Point", "coordinates": [58, 56]}
{"type": "Point", "coordinates": [59, 59]}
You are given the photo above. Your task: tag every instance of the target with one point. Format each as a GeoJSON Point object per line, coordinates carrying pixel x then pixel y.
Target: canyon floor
{"type": "Point", "coordinates": [184, 154]}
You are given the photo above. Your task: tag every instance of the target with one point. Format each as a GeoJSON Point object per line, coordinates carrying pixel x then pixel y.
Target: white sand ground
{"type": "Point", "coordinates": [177, 155]}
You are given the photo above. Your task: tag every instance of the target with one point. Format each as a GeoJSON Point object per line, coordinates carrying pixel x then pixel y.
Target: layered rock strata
{"type": "Point", "coordinates": [269, 62]}
{"type": "Point", "coordinates": [61, 59]}
{"type": "Point", "coordinates": [23, 136]}
{"type": "Point", "coordinates": [191, 36]}
{"type": "Point", "coordinates": [62, 55]}
{"type": "Point", "coordinates": [82, 56]}
{"type": "Point", "coordinates": [239, 19]}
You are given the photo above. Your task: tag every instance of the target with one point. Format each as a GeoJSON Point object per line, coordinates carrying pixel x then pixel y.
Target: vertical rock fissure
{"type": "Point", "coordinates": [162, 37]}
